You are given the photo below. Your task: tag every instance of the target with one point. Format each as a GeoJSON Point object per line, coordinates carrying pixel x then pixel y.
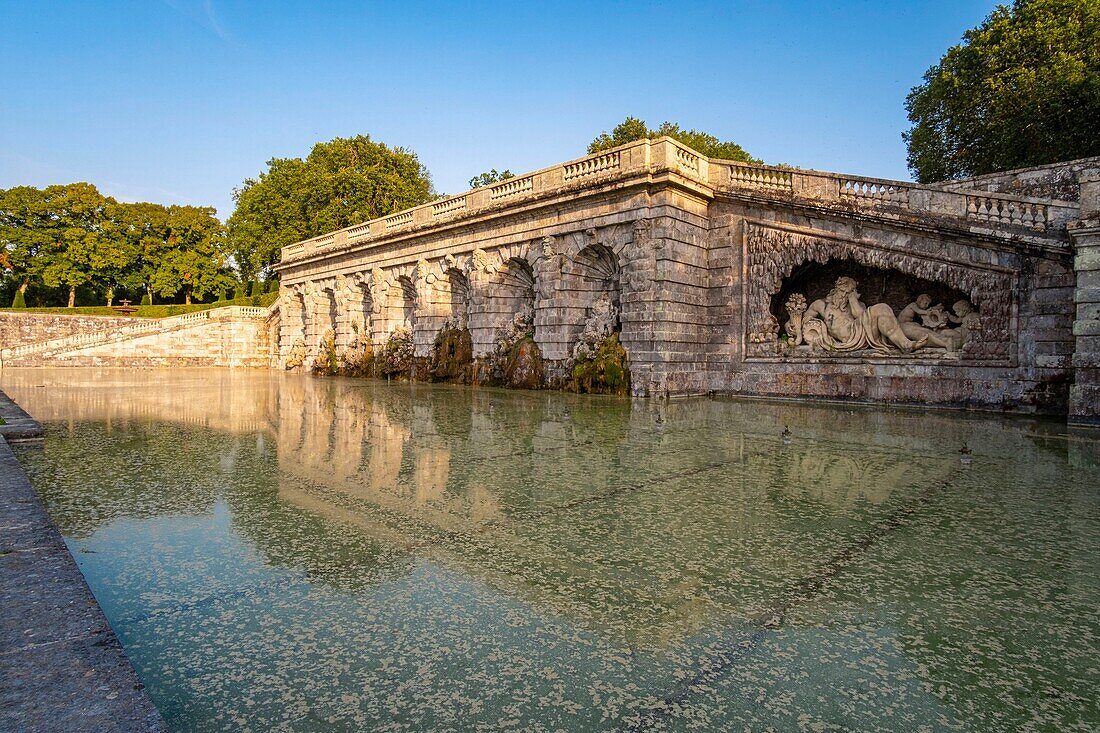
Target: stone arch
{"type": "Point", "coordinates": [323, 316]}
{"type": "Point", "coordinates": [508, 292]}
{"type": "Point", "coordinates": [596, 268]}
{"type": "Point", "coordinates": [361, 308]}
{"type": "Point", "coordinates": [406, 290]}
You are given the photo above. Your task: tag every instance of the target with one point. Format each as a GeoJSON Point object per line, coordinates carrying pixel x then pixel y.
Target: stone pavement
{"type": "Point", "coordinates": [61, 666]}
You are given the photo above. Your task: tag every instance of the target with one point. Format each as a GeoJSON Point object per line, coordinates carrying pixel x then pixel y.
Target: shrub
{"type": "Point", "coordinates": [19, 301]}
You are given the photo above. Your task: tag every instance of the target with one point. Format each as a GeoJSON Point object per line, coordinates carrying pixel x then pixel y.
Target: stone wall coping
{"type": "Point", "coordinates": [652, 159]}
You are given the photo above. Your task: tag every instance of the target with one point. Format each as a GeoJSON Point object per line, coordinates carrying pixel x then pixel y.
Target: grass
{"type": "Point", "coordinates": [150, 311]}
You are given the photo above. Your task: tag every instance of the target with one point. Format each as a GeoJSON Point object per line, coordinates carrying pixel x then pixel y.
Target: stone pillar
{"type": "Point", "coordinates": [425, 320]}
{"type": "Point", "coordinates": [344, 336]}
{"type": "Point", "coordinates": [664, 312]}
{"type": "Point", "coordinates": [1084, 395]}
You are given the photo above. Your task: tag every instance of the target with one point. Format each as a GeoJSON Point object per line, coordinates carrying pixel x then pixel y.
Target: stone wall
{"type": "Point", "coordinates": [689, 261]}
{"type": "Point", "coordinates": [17, 329]}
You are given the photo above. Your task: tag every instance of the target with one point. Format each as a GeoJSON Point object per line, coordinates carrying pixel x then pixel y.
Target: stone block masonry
{"type": "Point", "coordinates": [61, 666]}
{"type": "Point", "coordinates": [20, 329]}
{"type": "Point", "coordinates": [719, 276]}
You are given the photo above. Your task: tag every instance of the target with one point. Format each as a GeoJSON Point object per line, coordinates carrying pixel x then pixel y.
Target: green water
{"type": "Point", "coordinates": [285, 553]}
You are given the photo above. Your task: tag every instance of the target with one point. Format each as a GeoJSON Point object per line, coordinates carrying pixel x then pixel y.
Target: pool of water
{"type": "Point", "coordinates": [286, 553]}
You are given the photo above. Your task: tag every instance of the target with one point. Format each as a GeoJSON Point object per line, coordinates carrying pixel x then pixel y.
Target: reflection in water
{"type": "Point", "coordinates": [308, 554]}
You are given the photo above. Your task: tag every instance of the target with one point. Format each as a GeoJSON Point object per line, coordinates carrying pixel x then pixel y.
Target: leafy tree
{"type": "Point", "coordinates": [484, 179]}
{"type": "Point", "coordinates": [82, 246]}
{"type": "Point", "coordinates": [193, 260]}
{"type": "Point", "coordinates": [24, 217]}
{"type": "Point", "coordinates": [632, 129]}
{"type": "Point", "coordinates": [144, 226]}
{"type": "Point", "coordinates": [342, 182]}
{"type": "Point", "coordinates": [1022, 89]}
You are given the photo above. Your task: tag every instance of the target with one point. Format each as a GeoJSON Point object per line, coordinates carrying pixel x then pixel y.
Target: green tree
{"type": "Point", "coordinates": [144, 226]}
{"type": "Point", "coordinates": [342, 182]}
{"type": "Point", "coordinates": [24, 218]}
{"type": "Point", "coordinates": [193, 260]}
{"type": "Point", "coordinates": [484, 179]}
{"type": "Point", "coordinates": [1022, 89]}
{"type": "Point", "coordinates": [632, 129]}
{"type": "Point", "coordinates": [83, 248]}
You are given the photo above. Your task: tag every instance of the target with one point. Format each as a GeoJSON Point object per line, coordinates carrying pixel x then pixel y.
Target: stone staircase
{"type": "Point", "coordinates": [43, 352]}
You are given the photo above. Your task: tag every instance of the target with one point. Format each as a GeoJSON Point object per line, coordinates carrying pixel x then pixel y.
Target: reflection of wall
{"type": "Point", "coordinates": [223, 400]}
{"type": "Point", "coordinates": [525, 492]}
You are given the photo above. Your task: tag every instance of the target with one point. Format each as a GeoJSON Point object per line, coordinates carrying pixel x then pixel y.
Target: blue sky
{"type": "Point", "coordinates": [178, 101]}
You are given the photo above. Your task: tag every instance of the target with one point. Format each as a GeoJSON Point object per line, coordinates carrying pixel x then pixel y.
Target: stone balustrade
{"type": "Point", "coordinates": [877, 193]}
{"type": "Point", "coordinates": [511, 187]}
{"type": "Point", "coordinates": [664, 155]}
{"type": "Point", "coordinates": [603, 163]}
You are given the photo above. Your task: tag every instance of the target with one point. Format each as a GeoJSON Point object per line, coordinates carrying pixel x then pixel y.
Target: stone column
{"type": "Point", "coordinates": [1084, 395]}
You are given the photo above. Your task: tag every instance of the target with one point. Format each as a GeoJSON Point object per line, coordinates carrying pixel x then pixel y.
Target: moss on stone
{"type": "Point", "coordinates": [605, 372]}
{"type": "Point", "coordinates": [452, 356]}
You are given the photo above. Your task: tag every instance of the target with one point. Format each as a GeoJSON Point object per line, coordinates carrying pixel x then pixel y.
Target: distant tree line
{"type": "Point", "coordinates": [66, 240]}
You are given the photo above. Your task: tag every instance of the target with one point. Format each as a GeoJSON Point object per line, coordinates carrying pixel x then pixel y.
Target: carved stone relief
{"type": "Point", "coordinates": [977, 329]}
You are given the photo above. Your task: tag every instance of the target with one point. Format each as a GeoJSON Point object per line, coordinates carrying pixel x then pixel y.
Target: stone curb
{"type": "Point", "coordinates": [61, 665]}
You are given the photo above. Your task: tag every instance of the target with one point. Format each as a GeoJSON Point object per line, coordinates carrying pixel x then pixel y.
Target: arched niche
{"type": "Point", "coordinates": [459, 297]}
{"type": "Point", "coordinates": [897, 289]}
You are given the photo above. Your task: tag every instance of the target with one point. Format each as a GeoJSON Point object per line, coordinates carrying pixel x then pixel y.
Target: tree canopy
{"type": "Point", "coordinates": [484, 179]}
{"type": "Point", "coordinates": [342, 182]}
{"type": "Point", "coordinates": [632, 129]}
{"type": "Point", "coordinates": [72, 236]}
{"type": "Point", "coordinates": [1022, 89]}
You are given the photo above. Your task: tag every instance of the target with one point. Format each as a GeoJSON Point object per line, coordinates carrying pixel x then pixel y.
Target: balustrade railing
{"type": "Point", "coordinates": [448, 206]}
{"type": "Point", "coordinates": [511, 187]}
{"type": "Point", "coordinates": [760, 177]}
{"type": "Point", "coordinates": [358, 232]}
{"type": "Point", "coordinates": [397, 220]}
{"type": "Point", "coordinates": [1006, 211]}
{"type": "Point", "coordinates": [591, 166]}
{"type": "Point", "coordinates": [687, 159]}
{"type": "Point", "coordinates": [650, 156]}
{"type": "Point", "coordinates": [872, 191]}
